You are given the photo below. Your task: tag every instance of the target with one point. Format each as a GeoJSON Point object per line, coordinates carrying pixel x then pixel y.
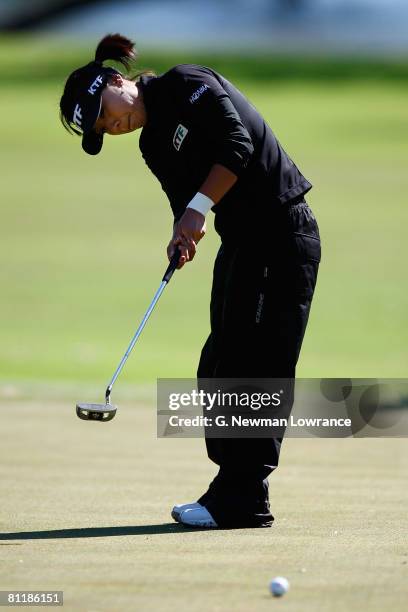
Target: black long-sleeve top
{"type": "Point", "coordinates": [195, 119]}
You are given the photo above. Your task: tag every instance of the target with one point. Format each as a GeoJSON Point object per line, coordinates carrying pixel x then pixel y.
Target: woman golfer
{"type": "Point", "coordinates": [211, 150]}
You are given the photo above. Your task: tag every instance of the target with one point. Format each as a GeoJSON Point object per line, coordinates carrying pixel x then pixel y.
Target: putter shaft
{"type": "Point", "coordinates": [166, 278]}
{"type": "Point", "coordinates": [134, 340]}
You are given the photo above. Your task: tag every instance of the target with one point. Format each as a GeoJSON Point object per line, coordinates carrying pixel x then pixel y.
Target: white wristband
{"type": "Point", "coordinates": [201, 203]}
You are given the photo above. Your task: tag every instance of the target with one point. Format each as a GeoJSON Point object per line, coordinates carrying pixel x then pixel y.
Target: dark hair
{"type": "Point", "coordinates": [112, 47]}
{"type": "Point", "coordinates": [116, 47]}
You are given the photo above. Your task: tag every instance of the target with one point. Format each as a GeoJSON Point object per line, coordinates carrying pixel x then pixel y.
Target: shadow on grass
{"type": "Point", "coordinates": [99, 532]}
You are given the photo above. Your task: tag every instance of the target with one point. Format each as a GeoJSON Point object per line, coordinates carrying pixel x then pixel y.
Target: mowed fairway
{"type": "Point", "coordinates": [83, 240]}
{"type": "Point", "coordinates": [85, 506]}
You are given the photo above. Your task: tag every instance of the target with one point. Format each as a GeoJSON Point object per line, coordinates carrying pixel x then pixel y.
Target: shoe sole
{"type": "Point", "coordinates": [199, 525]}
{"type": "Point", "coordinates": [176, 517]}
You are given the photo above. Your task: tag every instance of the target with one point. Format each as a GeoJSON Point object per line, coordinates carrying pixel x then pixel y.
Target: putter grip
{"type": "Point", "coordinates": [172, 266]}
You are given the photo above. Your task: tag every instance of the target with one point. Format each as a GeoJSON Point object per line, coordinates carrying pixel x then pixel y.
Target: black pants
{"type": "Point", "coordinates": [261, 296]}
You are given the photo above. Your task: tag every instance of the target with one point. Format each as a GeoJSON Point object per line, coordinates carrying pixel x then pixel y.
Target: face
{"type": "Point", "coordinates": [122, 110]}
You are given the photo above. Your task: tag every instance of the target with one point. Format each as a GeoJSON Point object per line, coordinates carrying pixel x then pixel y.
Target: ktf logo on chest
{"type": "Point", "coordinates": [179, 136]}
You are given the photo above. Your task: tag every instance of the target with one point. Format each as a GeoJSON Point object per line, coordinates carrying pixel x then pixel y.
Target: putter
{"type": "Point", "coordinates": [105, 412]}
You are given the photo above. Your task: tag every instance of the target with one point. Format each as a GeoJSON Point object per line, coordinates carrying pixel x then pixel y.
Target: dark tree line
{"type": "Point", "coordinates": [33, 16]}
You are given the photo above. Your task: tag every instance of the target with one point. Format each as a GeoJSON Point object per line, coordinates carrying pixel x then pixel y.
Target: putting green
{"type": "Point", "coordinates": [85, 509]}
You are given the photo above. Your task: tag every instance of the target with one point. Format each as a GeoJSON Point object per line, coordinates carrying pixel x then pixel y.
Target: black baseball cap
{"type": "Point", "coordinates": [81, 103]}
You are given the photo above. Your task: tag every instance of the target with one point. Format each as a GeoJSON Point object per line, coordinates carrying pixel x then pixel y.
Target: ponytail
{"type": "Point", "coordinates": [116, 47]}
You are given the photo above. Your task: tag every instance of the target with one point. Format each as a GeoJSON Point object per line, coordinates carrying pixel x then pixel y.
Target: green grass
{"type": "Point", "coordinates": [83, 240]}
{"type": "Point", "coordinates": [82, 251]}
{"type": "Point", "coordinates": [30, 59]}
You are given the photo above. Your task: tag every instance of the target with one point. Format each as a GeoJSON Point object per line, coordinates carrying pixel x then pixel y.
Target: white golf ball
{"type": "Point", "coordinates": [279, 586]}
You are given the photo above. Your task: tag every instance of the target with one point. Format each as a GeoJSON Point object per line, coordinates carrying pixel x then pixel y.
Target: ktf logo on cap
{"type": "Point", "coordinates": [77, 118]}
{"type": "Point", "coordinates": [97, 83]}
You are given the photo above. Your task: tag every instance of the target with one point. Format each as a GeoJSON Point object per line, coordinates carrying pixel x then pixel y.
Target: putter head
{"type": "Point", "coordinates": [96, 412]}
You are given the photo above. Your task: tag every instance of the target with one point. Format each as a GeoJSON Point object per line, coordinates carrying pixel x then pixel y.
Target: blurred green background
{"type": "Point", "coordinates": [83, 239]}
